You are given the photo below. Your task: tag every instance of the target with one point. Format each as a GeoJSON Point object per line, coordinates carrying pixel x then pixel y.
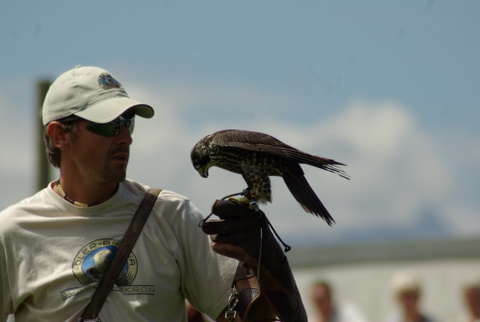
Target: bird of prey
{"type": "Point", "coordinates": [256, 156]}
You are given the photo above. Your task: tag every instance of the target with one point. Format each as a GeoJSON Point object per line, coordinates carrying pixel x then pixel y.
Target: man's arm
{"type": "Point", "coordinates": [264, 281]}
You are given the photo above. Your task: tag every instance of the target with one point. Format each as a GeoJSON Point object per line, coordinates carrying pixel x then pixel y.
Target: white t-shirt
{"type": "Point", "coordinates": [52, 255]}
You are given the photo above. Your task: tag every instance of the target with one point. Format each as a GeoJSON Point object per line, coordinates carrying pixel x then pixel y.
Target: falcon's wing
{"type": "Point", "coordinates": [249, 138]}
{"type": "Point", "coordinates": [257, 141]}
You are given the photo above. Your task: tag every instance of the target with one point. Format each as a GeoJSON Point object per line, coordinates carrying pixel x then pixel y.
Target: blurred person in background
{"type": "Point", "coordinates": [328, 310]}
{"type": "Point", "coordinates": [408, 292]}
{"type": "Point", "coordinates": [471, 299]}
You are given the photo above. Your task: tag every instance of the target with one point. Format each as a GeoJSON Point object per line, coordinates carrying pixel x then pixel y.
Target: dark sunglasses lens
{"type": "Point", "coordinates": [107, 129]}
{"type": "Point", "coordinates": [130, 124]}
{"type": "Point", "coordinates": [112, 128]}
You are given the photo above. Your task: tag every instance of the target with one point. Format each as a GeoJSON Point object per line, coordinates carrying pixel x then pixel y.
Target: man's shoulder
{"type": "Point", "coordinates": [167, 199]}
{"type": "Point", "coordinates": [28, 206]}
{"type": "Point", "coordinates": [172, 209]}
{"type": "Point", "coordinates": [165, 194]}
{"type": "Point", "coordinates": [37, 200]}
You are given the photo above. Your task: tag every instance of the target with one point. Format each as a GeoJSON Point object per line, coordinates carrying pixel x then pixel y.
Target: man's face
{"type": "Point", "coordinates": [322, 299]}
{"type": "Point", "coordinates": [97, 158]}
{"type": "Point", "coordinates": [409, 300]}
{"type": "Point", "coordinates": [472, 299]}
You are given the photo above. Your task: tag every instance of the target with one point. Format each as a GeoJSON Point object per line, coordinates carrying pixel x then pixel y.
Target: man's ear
{"type": "Point", "coordinates": [57, 135]}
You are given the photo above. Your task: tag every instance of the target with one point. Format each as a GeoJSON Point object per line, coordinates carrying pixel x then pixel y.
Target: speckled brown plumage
{"type": "Point", "coordinates": [256, 156]}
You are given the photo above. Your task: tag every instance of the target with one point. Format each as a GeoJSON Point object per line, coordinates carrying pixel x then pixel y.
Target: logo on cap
{"type": "Point", "coordinates": [106, 81]}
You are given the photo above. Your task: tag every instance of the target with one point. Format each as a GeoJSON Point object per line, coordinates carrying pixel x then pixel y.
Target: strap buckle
{"type": "Point", "coordinates": [233, 300]}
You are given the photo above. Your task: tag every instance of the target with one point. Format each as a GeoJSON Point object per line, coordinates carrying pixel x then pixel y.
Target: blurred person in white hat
{"type": "Point", "coordinates": [408, 292]}
{"type": "Point", "coordinates": [55, 246]}
{"type": "Point", "coordinates": [470, 294]}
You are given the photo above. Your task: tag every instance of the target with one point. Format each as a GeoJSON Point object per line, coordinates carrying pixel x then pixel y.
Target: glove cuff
{"type": "Point", "coordinates": [276, 298]}
{"type": "Point", "coordinates": [251, 305]}
{"type": "Point", "coordinates": [281, 292]}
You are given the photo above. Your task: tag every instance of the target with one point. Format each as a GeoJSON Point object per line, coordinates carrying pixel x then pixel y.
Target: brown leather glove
{"type": "Point", "coordinates": [244, 234]}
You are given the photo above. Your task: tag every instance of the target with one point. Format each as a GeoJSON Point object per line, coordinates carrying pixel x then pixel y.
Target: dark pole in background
{"type": "Point", "coordinates": [43, 169]}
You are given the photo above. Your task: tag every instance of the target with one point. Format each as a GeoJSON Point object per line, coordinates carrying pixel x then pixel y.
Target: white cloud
{"type": "Point", "coordinates": [400, 172]}
{"type": "Point", "coordinates": [17, 135]}
{"type": "Point", "coordinates": [403, 177]}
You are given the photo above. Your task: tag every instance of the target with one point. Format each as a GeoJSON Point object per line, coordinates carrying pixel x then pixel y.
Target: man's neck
{"type": "Point", "coordinates": [84, 193]}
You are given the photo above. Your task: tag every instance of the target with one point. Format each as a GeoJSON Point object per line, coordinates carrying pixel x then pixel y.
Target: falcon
{"type": "Point", "coordinates": [256, 156]}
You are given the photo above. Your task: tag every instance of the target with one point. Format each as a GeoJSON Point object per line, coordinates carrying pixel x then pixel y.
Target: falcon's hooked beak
{"type": "Point", "coordinates": [203, 173]}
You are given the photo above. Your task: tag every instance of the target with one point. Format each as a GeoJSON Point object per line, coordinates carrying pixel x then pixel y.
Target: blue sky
{"type": "Point", "coordinates": [389, 87]}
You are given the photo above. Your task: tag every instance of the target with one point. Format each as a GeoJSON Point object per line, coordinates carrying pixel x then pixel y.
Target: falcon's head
{"type": "Point", "coordinates": [201, 159]}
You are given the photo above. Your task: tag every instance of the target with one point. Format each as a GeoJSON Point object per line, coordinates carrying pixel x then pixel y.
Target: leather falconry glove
{"type": "Point", "coordinates": [244, 234]}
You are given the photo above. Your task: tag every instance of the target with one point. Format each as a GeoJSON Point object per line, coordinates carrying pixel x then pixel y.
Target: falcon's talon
{"type": "Point", "coordinates": [247, 194]}
{"type": "Point", "coordinates": [254, 205]}
{"type": "Point", "coordinates": [241, 199]}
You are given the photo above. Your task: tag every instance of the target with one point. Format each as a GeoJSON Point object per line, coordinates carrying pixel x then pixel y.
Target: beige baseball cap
{"type": "Point", "coordinates": [91, 93]}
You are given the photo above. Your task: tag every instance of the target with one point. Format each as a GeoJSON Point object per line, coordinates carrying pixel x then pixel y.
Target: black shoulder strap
{"type": "Point", "coordinates": [123, 251]}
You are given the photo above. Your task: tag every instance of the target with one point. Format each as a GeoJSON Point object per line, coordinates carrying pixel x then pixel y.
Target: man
{"type": "Point", "coordinates": [328, 310]}
{"type": "Point", "coordinates": [471, 299]}
{"type": "Point", "coordinates": [56, 245]}
{"type": "Point", "coordinates": [408, 292]}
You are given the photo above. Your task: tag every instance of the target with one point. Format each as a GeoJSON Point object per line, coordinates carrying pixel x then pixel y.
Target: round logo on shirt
{"type": "Point", "coordinates": [93, 259]}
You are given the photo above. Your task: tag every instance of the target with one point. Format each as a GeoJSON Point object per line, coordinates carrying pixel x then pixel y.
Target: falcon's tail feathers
{"type": "Point", "coordinates": [306, 197]}
{"type": "Point", "coordinates": [334, 169]}
{"type": "Point", "coordinates": [318, 162]}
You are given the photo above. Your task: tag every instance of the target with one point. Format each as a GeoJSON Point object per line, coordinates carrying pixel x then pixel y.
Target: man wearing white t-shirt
{"type": "Point", "coordinates": [56, 245]}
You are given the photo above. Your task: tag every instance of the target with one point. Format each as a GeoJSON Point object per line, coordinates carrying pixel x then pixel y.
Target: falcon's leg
{"type": "Point", "coordinates": [249, 199]}
{"type": "Point", "coordinates": [259, 187]}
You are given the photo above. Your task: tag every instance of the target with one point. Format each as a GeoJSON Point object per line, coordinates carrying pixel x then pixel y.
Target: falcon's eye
{"type": "Point", "coordinates": [205, 160]}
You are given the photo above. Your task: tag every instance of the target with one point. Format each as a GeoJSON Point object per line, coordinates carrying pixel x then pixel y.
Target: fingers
{"type": "Point", "coordinates": [233, 252]}
{"type": "Point", "coordinates": [234, 217]}
{"type": "Point", "coordinates": [238, 232]}
{"type": "Point", "coordinates": [230, 225]}
{"type": "Point", "coordinates": [231, 208]}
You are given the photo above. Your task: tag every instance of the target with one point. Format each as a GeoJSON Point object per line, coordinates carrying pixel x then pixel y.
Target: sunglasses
{"type": "Point", "coordinates": [114, 127]}
{"type": "Point", "coordinates": [111, 128]}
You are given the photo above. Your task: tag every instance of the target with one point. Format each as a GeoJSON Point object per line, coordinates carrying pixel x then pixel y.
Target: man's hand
{"type": "Point", "coordinates": [238, 232]}
{"type": "Point", "coordinates": [244, 234]}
